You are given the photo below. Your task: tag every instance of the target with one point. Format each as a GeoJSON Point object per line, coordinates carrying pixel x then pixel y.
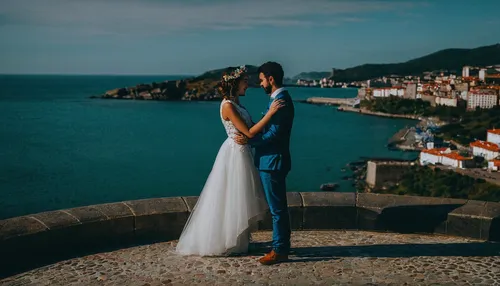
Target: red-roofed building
{"type": "Point", "coordinates": [445, 157]}
{"type": "Point", "coordinates": [484, 149]}
{"type": "Point", "coordinates": [432, 156]}
{"type": "Point", "coordinates": [494, 165]}
{"type": "Point", "coordinates": [455, 160]}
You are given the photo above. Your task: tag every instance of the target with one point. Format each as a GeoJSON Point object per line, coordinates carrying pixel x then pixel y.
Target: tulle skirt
{"type": "Point", "coordinates": [230, 205]}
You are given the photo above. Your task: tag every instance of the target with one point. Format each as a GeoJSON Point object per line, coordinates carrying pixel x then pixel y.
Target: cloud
{"type": "Point", "coordinates": [135, 17]}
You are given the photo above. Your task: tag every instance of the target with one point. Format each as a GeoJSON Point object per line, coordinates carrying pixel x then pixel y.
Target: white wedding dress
{"type": "Point", "coordinates": [231, 202]}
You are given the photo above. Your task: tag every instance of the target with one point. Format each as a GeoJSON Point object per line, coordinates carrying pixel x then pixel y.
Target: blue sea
{"type": "Point", "coordinates": [61, 149]}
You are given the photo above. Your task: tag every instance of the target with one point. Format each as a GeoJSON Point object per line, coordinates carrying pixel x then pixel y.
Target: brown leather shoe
{"type": "Point", "coordinates": [273, 258]}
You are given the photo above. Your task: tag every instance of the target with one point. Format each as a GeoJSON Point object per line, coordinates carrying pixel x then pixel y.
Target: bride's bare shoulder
{"type": "Point", "coordinates": [227, 109]}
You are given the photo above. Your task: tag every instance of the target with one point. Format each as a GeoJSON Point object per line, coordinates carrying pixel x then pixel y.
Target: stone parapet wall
{"type": "Point", "coordinates": [55, 235]}
{"type": "Point", "coordinates": [379, 174]}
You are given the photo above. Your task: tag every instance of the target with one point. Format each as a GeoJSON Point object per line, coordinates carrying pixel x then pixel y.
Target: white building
{"type": "Point", "coordinates": [482, 74]}
{"type": "Point", "coordinates": [400, 91]}
{"type": "Point", "coordinates": [445, 157]}
{"type": "Point", "coordinates": [446, 101]}
{"type": "Point", "coordinates": [325, 83]}
{"type": "Point", "coordinates": [388, 91]}
{"type": "Point", "coordinates": [465, 71]}
{"type": "Point", "coordinates": [494, 165]}
{"type": "Point", "coordinates": [493, 136]}
{"type": "Point", "coordinates": [432, 156]}
{"type": "Point", "coordinates": [429, 145]}
{"type": "Point", "coordinates": [456, 161]}
{"type": "Point", "coordinates": [484, 149]}
{"type": "Point", "coordinates": [419, 88]}
{"type": "Point", "coordinates": [483, 99]}
{"type": "Point", "coordinates": [462, 94]}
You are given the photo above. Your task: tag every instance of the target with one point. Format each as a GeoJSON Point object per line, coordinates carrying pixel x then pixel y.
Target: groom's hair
{"type": "Point", "coordinates": [273, 69]}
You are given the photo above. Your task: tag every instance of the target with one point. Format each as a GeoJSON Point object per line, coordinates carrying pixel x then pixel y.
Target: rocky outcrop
{"type": "Point", "coordinates": [198, 88]}
{"type": "Point", "coordinates": [167, 90]}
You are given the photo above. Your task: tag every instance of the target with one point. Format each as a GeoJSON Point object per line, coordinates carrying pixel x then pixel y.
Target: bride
{"type": "Point", "coordinates": [232, 200]}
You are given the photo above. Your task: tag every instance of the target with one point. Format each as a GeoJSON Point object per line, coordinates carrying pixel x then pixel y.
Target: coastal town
{"type": "Point", "coordinates": [471, 89]}
{"type": "Point", "coordinates": [475, 89]}
{"type": "Point", "coordinates": [325, 142]}
{"type": "Point", "coordinates": [453, 95]}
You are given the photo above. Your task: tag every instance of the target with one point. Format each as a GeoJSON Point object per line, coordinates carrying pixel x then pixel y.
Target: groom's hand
{"type": "Point", "coordinates": [240, 139]}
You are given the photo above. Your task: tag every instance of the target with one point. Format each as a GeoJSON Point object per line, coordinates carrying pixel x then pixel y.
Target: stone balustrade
{"type": "Point", "coordinates": [36, 239]}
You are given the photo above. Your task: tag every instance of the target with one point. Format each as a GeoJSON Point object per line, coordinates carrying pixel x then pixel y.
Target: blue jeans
{"type": "Point", "coordinates": [274, 183]}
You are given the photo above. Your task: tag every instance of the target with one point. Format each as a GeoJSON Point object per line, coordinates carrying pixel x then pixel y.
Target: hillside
{"type": "Point", "coordinates": [214, 76]}
{"type": "Point", "coordinates": [204, 85]}
{"type": "Point", "coordinates": [449, 59]}
{"type": "Point", "coordinates": [201, 87]}
{"type": "Point", "coordinates": [311, 76]}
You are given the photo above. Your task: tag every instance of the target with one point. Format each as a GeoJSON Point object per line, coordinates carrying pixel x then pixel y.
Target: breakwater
{"type": "Point", "coordinates": [381, 114]}
{"type": "Point", "coordinates": [329, 101]}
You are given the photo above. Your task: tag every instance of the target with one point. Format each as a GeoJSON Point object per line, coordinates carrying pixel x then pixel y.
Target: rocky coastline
{"type": "Point", "coordinates": [402, 140]}
{"type": "Point", "coordinates": [200, 88]}
{"type": "Point", "coordinates": [356, 171]}
{"type": "Point", "coordinates": [399, 141]}
{"type": "Point", "coordinates": [379, 114]}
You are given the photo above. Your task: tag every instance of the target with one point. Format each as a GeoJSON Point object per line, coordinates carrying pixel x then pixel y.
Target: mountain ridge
{"type": "Point", "coordinates": [446, 59]}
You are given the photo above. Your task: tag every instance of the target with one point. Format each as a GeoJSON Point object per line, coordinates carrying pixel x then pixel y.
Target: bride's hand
{"type": "Point", "coordinates": [276, 105]}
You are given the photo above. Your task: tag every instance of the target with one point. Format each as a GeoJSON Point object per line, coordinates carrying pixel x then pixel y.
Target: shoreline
{"type": "Point", "coordinates": [400, 141]}
{"type": "Point", "coordinates": [327, 101]}
{"type": "Point", "coordinates": [379, 114]}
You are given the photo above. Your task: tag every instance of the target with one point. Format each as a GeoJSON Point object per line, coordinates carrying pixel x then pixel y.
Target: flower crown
{"type": "Point", "coordinates": [235, 74]}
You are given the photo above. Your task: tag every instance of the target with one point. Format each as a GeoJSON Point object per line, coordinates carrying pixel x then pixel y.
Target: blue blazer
{"type": "Point", "coordinates": [272, 145]}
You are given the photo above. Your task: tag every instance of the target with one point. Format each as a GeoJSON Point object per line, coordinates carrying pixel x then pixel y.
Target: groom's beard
{"type": "Point", "coordinates": [268, 89]}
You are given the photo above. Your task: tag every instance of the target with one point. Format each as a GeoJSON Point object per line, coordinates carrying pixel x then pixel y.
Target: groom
{"type": "Point", "coordinates": [272, 158]}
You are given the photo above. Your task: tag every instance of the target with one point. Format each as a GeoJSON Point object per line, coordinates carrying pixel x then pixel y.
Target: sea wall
{"type": "Point", "coordinates": [379, 174]}
{"type": "Point", "coordinates": [330, 101]}
{"type": "Point", "coordinates": [41, 238]}
{"type": "Point", "coordinates": [379, 114]}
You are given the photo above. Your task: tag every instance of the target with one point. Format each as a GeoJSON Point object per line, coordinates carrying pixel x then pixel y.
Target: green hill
{"type": "Point", "coordinates": [449, 59]}
{"type": "Point", "coordinates": [217, 74]}
{"type": "Point", "coordinates": [311, 76]}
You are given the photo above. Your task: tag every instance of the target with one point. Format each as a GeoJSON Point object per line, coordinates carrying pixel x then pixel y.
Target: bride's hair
{"type": "Point", "coordinates": [228, 89]}
{"type": "Point", "coordinates": [228, 85]}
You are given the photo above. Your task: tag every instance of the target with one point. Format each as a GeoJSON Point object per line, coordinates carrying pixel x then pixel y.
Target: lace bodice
{"type": "Point", "coordinates": [228, 125]}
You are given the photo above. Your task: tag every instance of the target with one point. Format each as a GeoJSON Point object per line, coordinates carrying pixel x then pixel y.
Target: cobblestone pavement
{"type": "Point", "coordinates": [318, 257]}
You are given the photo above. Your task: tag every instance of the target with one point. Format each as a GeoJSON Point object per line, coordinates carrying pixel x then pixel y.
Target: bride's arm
{"type": "Point", "coordinates": [229, 112]}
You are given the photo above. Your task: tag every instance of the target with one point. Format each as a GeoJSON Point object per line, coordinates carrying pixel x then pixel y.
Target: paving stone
{"type": "Point", "coordinates": [317, 258]}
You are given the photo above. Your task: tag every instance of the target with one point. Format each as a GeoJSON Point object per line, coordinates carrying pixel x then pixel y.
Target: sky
{"type": "Point", "coordinates": [189, 37]}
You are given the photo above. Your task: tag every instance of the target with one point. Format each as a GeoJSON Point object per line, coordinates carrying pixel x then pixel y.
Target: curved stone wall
{"type": "Point", "coordinates": [37, 239]}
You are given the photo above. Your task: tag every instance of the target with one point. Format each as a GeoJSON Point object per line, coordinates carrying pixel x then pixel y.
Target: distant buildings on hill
{"type": "Point", "coordinates": [443, 88]}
